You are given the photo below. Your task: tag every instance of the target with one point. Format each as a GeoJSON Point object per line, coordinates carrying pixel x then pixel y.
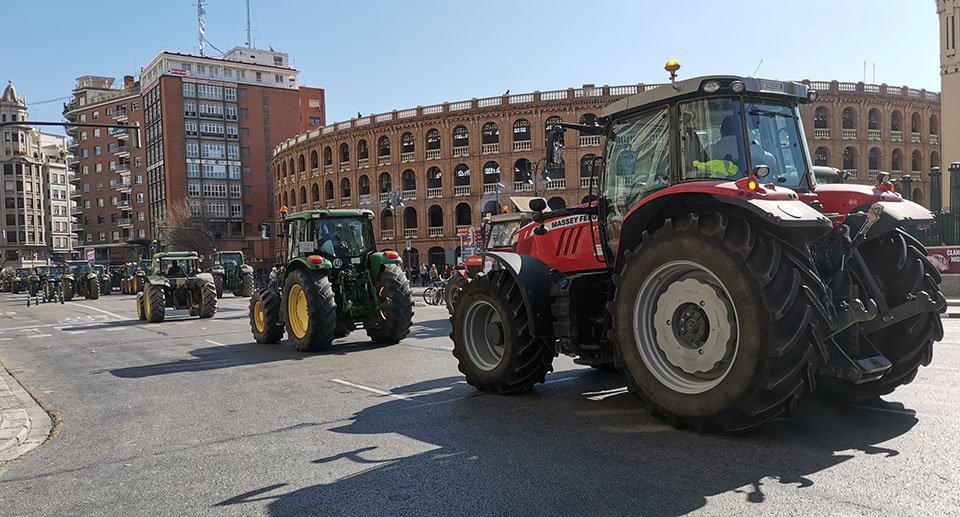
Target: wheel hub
{"type": "Point", "coordinates": [483, 335]}
{"type": "Point", "coordinates": [691, 325]}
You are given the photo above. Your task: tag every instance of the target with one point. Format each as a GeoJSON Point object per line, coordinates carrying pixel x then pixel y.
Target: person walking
{"type": "Point", "coordinates": [434, 274]}
{"type": "Point", "coordinates": [423, 274]}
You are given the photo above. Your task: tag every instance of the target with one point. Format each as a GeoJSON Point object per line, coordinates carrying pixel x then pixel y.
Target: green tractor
{"type": "Point", "coordinates": [106, 281]}
{"type": "Point", "coordinates": [134, 276]}
{"type": "Point", "coordinates": [331, 281]}
{"type": "Point", "coordinates": [20, 279]}
{"type": "Point", "coordinates": [231, 273]}
{"type": "Point", "coordinates": [50, 282]}
{"type": "Point", "coordinates": [116, 275]}
{"type": "Point", "coordinates": [176, 282]}
{"type": "Point", "coordinates": [80, 279]}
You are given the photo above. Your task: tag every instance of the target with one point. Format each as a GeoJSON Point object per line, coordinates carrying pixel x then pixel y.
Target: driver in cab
{"type": "Point", "coordinates": [326, 237]}
{"type": "Point", "coordinates": [724, 155]}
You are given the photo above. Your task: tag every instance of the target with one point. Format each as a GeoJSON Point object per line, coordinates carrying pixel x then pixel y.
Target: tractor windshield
{"type": "Point", "coordinates": [23, 272]}
{"type": "Point", "coordinates": [724, 138]}
{"type": "Point", "coordinates": [178, 267]}
{"type": "Point", "coordinates": [56, 271]}
{"type": "Point", "coordinates": [343, 237]}
{"type": "Point", "coordinates": [98, 269]}
{"type": "Point", "coordinates": [79, 269]}
{"type": "Point", "coordinates": [231, 259]}
{"type": "Point", "coordinates": [504, 234]}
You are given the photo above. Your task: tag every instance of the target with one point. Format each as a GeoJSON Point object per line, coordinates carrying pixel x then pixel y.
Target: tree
{"type": "Point", "coordinates": [181, 230]}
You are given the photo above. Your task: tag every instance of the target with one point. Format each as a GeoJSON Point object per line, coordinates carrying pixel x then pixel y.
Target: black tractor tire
{"type": "Point", "coordinates": [208, 300]}
{"type": "Point", "coordinates": [106, 287]}
{"type": "Point", "coordinates": [154, 303]}
{"type": "Point", "coordinates": [756, 281]}
{"type": "Point", "coordinates": [16, 288]}
{"type": "Point", "coordinates": [393, 287]}
{"type": "Point", "coordinates": [66, 289]}
{"type": "Point", "coordinates": [93, 288]}
{"type": "Point", "coordinates": [452, 294]}
{"type": "Point", "coordinates": [123, 286]}
{"type": "Point", "coordinates": [901, 267]}
{"type": "Point", "coordinates": [246, 285]}
{"type": "Point", "coordinates": [218, 284]}
{"type": "Point", "coordinates": [317, 322]}
{"type": "Point", "coordinates": [269, 329]}
{"type": "Point", "coordinates": [491, 308]}
{"type": "Point", "coordinates": [141, 311]}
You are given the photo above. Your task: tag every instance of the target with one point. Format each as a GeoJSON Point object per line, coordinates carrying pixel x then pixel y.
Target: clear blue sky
{"type": "Point", "coordinates": [375, 56]}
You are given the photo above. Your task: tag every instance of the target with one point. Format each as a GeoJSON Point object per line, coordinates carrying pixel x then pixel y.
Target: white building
{"type": "Point", "coordinates": [58, 205]}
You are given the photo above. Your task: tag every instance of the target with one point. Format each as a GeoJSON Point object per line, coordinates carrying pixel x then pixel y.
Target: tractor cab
{"type": "Point", "coordinates": [337, 236]}
{"type": "Point", "coordinates": [176, 264]}
{"type": "Point", "coordinates": [228, 258]}
{"type": "Point", "coordinates": [79, 267]}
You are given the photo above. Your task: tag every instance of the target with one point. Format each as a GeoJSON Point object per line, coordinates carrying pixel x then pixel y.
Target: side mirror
{"type": "Point", "coordinates": [554, 146]}
{"type": "Point", "coordinates": [761, 171]}
{"type": "Point", "coordinates": [538, 204]}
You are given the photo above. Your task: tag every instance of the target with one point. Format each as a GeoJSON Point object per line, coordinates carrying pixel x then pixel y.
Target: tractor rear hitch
{"type": "Point", "coordinates": [858, 371]}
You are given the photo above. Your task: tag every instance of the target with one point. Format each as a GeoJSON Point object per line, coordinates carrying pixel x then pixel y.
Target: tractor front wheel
{"type": "Point", "coordinates": [246, 285]}
{"type": "Point", "coordinates": [208, 300]}
{"type": "Point", "coordinates": [93, 288]}
{"type": "Point", "coordinates": [311, 310]}
{"type": "Point", "coordinates": [141, 311]}
{"type": "Point", "coordinates": [154, 305]}
{"type": "Point", "coordinates": [106, 287]}
{"type": "Point", "coordinates": [491, 337]}
{"type": "Point", "coordinates": [265, 316]}
{"type": "Point", "coordinates": [66, 289]}
{"type": "Point", "coordinates": [395, 316]}
{"type": "Point", "coordinates": [218, 283]}
{"type": "Point", "coordinates": [710, 324]}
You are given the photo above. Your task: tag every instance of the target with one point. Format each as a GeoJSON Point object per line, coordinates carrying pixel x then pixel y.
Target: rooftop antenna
{"type": "Point", "coordinates": [757, 69]}
{"type": "Point", "coordinates": [249, 41]}
{"type": "Point", "coordinates": [200, 12]}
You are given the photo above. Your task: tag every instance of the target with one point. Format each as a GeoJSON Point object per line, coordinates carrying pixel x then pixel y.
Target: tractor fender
{"type": "Point", "coordinates": [246, 269]}
{"type": "Point", "coordinates": [206, 278]}
{"type": "Point", "coordinates": [534, 278]}
{"type": "Point", "coordinates": [895, 214]}
{"type": "Point", "coordinates": [378, 261]}
{"type": "Point", "coordinates": [304, 262]}
{"type": "Point", "coordinates": [787, 213]}
{"type": "Point", "coordinates": [156, 280]}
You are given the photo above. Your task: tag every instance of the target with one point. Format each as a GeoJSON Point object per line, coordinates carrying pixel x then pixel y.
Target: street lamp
{"type": "Point", "coordinates": [532, 175]}
{"type": "Point", "coordinates": [395, 201]}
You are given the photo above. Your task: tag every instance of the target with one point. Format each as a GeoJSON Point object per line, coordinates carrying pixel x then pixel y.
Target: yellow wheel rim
{"type": "Point", "coordinates": [146, 303]}
{"type": "Point", "coordinates": [259, 317]}
{"type": "Point", "coordinates": [297, 311]}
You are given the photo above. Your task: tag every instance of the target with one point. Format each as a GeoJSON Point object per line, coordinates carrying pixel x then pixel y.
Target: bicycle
{"type": "Point", "coordinates": [434, 295]}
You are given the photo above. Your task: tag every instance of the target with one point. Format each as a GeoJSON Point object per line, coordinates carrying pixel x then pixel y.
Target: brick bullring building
{"type": "Point", "coordinates": [453, 162]}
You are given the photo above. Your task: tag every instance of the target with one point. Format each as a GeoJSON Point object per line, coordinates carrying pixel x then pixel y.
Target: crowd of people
{"type": "Point", "coordinates": [427, 274]}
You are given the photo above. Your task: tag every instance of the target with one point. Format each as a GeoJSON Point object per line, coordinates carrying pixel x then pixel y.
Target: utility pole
{"type": "Point", "coordinates": [200, 12]}
{"type": "Point", "coordinates": [249, 41]}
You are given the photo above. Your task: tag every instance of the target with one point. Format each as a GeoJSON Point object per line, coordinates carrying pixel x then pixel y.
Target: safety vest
{"type": "Point", "coordinates": [715, 168]}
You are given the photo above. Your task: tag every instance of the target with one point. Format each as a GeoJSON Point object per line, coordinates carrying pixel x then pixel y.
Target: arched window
{"type": "Point", "coordinates": [293, 197]}
{"type": "Point", "coordinates": [345, 188]}
{"type": "Point", "coordinates": [406, 143]}
{"type": "Point", "coordinates": [283, 169]}
{"type": "Point", "coordinates": [934, 125]}
{"type": "Point", "coordinates": [588, 119]}
{"type": "Point", "coordinates": [521, 130]}
{"type": "Point", "coordinates": [437, 256]}
{"type": "Point", "coordinates": [915, 123]}
{"type": "Point", "coordinates": [917, 196]}
{"type": "Point", "coordinates": [411, 256]}
{"type": "Point", "coordinates": [490, 133]}
{"type": "Point", "coordinates": [280, 198]}
{"type": "Point", "coordinates": [386, 220]}
{"type": "Point", "coordinates": [896, 160]}
{"type": "Point", "coordinates": [327, 156]}
{"type": "Point", "coordinates": [896, 121]}
{"type": "Point", "coordinates": [363, 151]}
{"type": "Point", "coordinates": [491, 173]}
{"type": "Point", "coordinates": [386, 182]}
{"type": "Point", "coordinates": [820, 117]}
{"type": "Point", "coordinates": [344, 153]}
{"type": "Point", "coordinates": [434, 178]}
{"type": "Point", "coordinates": [820, 156]}
{"type": "Point", "coordinates": [588, 199]}
{"type": "Point", "coordinates": [293, 169]}
{"type": "Point", "coordinates": [302, 163]}
{"type": "Point", "coordinates": [383, 146]}
{"type": "Point", "coordinates": [874, 161]}
{"type": "Point", "coordinates": [461, 136]}
{"type": "Point", "coordinates": [491, 207]}
{"type": "Point", "coordinates": [314, 160]}
{"type": "Point", "coordinates": [464, 216]}
{"type": "Point", "coordinates": [556, 203]}
{"type": "Point", "coordinates": [303, 195]}
{"type": "Point", "coordinates": [461, 175]}
{"type": "Point", "coordinates": [850, 158]}
{"type": "Point", "coordinates": [873, 119]}
{"type": "Point", "coordinates": [552, 122]}
{"type": "Point", "coordinates": [586, 166]}
{"type": "Point", "coordinates": [521, 173]}
{"type": "Point", "coordinates": [435, 218]}
{"type": "Point", "coordinates": [916, 161]}
{"type": "Point", "coordinates": [408, 180]}
{"type": "Point", "coordinates": [285, 201]}
{"type": "Point", "coordinates": [410, 218]}
{"type": "Point", "coordinates": [849, 117]}
{"type": "Point", "coordinates": [934, 159]}
{"type": "Point", "coordinates": [315, 193]}
{"type": "Point", "coordinates": [433, 139]}
{"type": "Point", "coordinates": [364, 184]}
{"type": "Point", "coordinates": [328, 191]}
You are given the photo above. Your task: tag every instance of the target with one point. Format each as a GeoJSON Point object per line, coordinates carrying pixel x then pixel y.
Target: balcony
{"type": "Point", "coordinates": [490, 148]}
{"type": "Point", "coordinates": [461, 150]}
{"type": "Point", "coordinates": [461, 190]}
{"type": "Point", "coordinates": [329, 203]}
{"type": "Point", "coordinates": [406, 157]}
{"type": "Point", "coordinates": [523, 145]}
{"type": "Point", "coordinates": [433, 154]}
{"type": "Point", "coordinates": [589, 140]}
{"type": "Point", "coordinates": [316, 205]}
{"type": "Point", "coordinates": [588, 182]}
{"type": "Point", "coordinates": [363, 163]}
{"type": "Point", "coordinates": [73, 145]}
{"type": "Point", "coordinates": [125, 205]}
{"type": "Point", "coordinates": [435, 231]}
{"type": "Point", "coordinates": [122, 167]}
{"type": "Point", "coordinates": [433, 192]}
{"type": "Point", "coordinates": [303, 175]}
{"type": "Point", "coordinates": [853, 173]}
{"type": "Point", "coordinates": [896, 136]}
{"type": "Point", "coordinates": [328, 169]}
{"type": "Point", "coordinates": [120, 115]}
{"type": "Point", "coordinates": [934, 139]}
{"type": "Point", "coordinates": [364, 199]}
{"type": "Point", "coordinates": [383, 160]}
{"type": "Point", "coordinates": [873, 134]}
{"type": "Point", "coordinates": [557, 184]}
{"type": "Point", "coordinates": [915, 138]}
{"type": "Point", "coordinates": [346, 201]}
{"type": "Point", "coordinates": [76, 210]}
{"type": "Point", "coordinates": [409, 233]}
{"type": "Point", "coordinates": [344, 166]}
{"type": "Point", "coordinates": [849, 134]}
{"type": "Point", "coordinates": [522, 186]}
{"type": "Point", "coordinates": [314, 172]}
{"type": "Point", "coordinates": [124, 186]}
{"type": "Point", "coordinates": [386, 234]}
{"type": "Point", "coordinates": [75, 193]}
{"type": "Point", "coordinates": [821, 133]}
{"type": "Point", "coordinates": [125, 222]}
{"type": "Point", "coordinates": [462, 228]}
{"type": "Point", "coordinates": [410, 194]}
{"type": "Point", "coordinates": [385, 196]}
{"type": "Point", "coordinates": [492, 188]}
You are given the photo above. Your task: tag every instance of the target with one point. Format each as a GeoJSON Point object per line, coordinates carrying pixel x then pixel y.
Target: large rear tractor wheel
{"type": "Point", "coordinates": [491, 337]}
{"type": "Point", "coordinates": [246, 285]}
{"type": "Point", "coordinates": [66, 289]}
{"type": "Point", "coordinates": [208, 300]}
{"type": "Point", "coordinates": [903, 271]}
{"type": "Point", "coordinates": [311, 310]}
{"type": "Point", "coordinates": [16, 288]}
{"type": "Point", "coordinates": [153, 303]}
{"type": "Point", "coordinates": [396, 310]}
{"type": "Point", "coordinates": [93, 288]}
{"type": "Point", "coordinates": [141, 311]}
{"type": "Point", "coordinates": [452, 293]}
{"type": "Point", "coordinates": [218, 283]}
{"type": "Point", "coordinates": [265, 316]}
{"type": "Point", "coordinates": [711, 326]}
{"type": "Point", "coordinates": [106, 287]}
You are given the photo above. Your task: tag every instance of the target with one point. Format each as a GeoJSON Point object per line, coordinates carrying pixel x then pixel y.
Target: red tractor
{"type": "Point", "coordinates": [713, 271]}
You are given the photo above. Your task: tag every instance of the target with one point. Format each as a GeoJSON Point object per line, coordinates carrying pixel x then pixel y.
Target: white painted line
{"type": "Point", "coordinates": [372, 390]}
{"type": "Point", "coordinates": [214, 342]}
{"type": "Point", "coordinates": [6, 338]}
{"type": "Point", "coordinates": [108, 313]}
{"type": "Point", "coordinates": [72, 332]}
{"type": "Point", "coordinates": [38, 335]}
{"type": "Point", "coordinates": [909, 412]}
{"type": "Point", "coordinates": [600, 395]}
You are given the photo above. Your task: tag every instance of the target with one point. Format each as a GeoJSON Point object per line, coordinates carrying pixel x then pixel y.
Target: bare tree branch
{"type": "Point", "coordinates": [183, 231]}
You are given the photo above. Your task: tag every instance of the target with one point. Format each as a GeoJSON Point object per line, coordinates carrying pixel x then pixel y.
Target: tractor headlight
{"type": "Point", "coordinates": [711, 87]}
{"type": "Point", "coordinates": [737, 87]}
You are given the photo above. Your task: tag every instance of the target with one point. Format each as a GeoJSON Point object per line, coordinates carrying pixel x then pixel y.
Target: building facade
{"type": "Point", "coordinates": [948, 12]}
{"type": "Point", "coordinates": [452, 162]}
{"type": "Point", "coordinates": [58, 205]}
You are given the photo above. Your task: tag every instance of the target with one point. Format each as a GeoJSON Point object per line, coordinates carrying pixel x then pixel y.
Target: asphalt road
{"type": "Point", "coordinates": [191, 417]}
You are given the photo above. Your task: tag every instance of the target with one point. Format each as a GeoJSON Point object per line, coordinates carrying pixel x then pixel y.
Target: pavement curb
{"type": "Point", "coordinates": [24, 425]}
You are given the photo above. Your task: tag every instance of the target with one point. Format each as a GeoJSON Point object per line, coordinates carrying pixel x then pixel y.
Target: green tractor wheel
{"type": "Point", "coordinates": [66, 289]}
{"type": "Point", "coordinates": [246, 285]}
{"type": "Point", "coordinates": [310, 309]}
{"type": "Point", "coordinates": [208, 300]}
{"type": "Point", "coordinates": [141, 311]}
{"type": "Point", "coordinates": [218, 284]}
{"type": "Point", "coordinates": [93, 288]}
{"type": "Point", "coordinates": [396, 312]}
{"type": "Point", "coordinates": [265, 316]}
{"type": "Point", "coordinates": [154, 305]}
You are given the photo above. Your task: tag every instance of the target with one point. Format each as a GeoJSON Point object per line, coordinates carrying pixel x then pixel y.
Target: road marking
{"type": "Point", "coordinates": [600, 395]}
{"type": "Point", "coordinates": [72, 332]}
{"type": "Point", "coordinates": [909, 412]}
{"type": "Point", "coordinates": [6, 338]}
{"type": "Point", "coordinates": [38, 335]}
{"type": "Point", "coordinates": [373, 390]}
{"type": "Point", "coordinates": [108, 313]}
{"type": "Point", "coordinates": [214, 342]}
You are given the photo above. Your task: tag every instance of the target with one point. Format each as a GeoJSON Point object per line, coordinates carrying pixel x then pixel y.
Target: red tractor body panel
{"type": "Point", "coordinates": [842, 198]}
{"type": "Point", "coordinates": [567, 246]}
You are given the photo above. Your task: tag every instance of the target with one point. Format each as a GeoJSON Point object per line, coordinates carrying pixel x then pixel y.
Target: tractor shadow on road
{"type": "Point", "coordinates": [580, 445]}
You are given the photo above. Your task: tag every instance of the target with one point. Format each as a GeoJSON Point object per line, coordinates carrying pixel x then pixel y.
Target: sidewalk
{"type": "Point", "coordinates": [24, 425]}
